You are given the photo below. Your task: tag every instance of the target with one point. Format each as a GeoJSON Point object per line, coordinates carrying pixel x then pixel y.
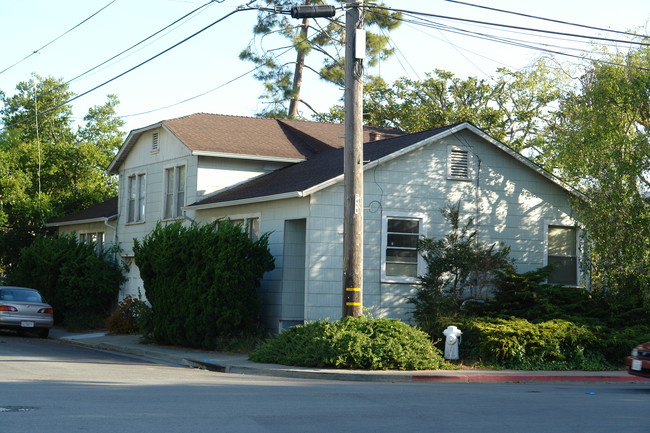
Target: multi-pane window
{"type": "Point", "coordinates": [563, 255]}
{"type": "Point", "coordinates": [135, 198]}
{"type": "Point", "coordinates": [250, 225]}
{"type": "Point", "coordinates": [174, 192]}
{"type": "Point", "coordinates": [400, 254]}
{"type": "Point", "coordinates": [96, 238]}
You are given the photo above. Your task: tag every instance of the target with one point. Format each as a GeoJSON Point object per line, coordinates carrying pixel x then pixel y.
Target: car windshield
{"type": "Point", "coordinates": [24, 295]}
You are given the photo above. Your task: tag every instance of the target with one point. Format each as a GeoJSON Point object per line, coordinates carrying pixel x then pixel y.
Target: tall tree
{"type": "Point", "coordinates": [48, 166]}
{"type": "Point", "coordinates": [511, 107]}
{"type": "Point", "coordinates": [282, 81]}
{"type": "Point", "coordinates": [601, 142]}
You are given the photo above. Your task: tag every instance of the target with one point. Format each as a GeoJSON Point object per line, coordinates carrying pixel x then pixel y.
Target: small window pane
{"type": "Point", "coordinates": [561, 241]}
{"type": "Point", "coordinates": [564, 272]}
{"type": "Point", "coordinates": [405, 241]}
{"type": "Point", "coordinates": [403, 226]}
{"type": "Point", "coordinates": [405, 256]}
{"type": "Point", "coordinates": [404, 270]}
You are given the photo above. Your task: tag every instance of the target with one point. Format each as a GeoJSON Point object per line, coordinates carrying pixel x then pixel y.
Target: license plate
{"type": "Point", "coordinates": [636, 364]}
{"type": "Point", "coordinates": [26, 324]}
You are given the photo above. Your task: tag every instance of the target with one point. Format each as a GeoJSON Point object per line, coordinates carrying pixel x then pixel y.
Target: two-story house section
{"type": "Point", "coordinates": [168, 165]}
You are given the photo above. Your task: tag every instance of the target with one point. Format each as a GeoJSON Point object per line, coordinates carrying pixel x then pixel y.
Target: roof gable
{"type": "Point", "coordinates": [250, 137]}
{"type": "Point", "coordinates": [307, 177]}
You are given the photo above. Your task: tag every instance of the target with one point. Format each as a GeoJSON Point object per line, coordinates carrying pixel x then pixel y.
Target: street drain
{"type": "Point", "coordinates": [17, 408]}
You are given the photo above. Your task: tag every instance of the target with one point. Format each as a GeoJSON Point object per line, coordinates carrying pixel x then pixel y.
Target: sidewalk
{"type": "Point", "coordinates": [240, 364]}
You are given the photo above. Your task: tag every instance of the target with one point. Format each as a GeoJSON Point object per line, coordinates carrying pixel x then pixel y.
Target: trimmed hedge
{"type": "Point", "coordinates": [355, 343]}
{"type": "Point", "coordinates": [201, 282]}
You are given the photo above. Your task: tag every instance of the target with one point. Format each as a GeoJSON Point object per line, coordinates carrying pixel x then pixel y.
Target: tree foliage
{"type": "Point", "coordinates": [282, 82]}
{"type": "Point", "coordinates": [458, 269]}
{"type": "Point", "coordinates": [201, 282]}
{"type": "Point", "coordinates": [601, 143]}
{"type": "Point", "coordinates": [511, 107]}
{"type": "Point", "coordinates": [49, 167]}
{"type": "Point", "coordinates": [81, 285]}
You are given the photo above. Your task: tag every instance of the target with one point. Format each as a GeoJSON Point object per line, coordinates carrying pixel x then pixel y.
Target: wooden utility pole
{"type": "Point", "coordinates": [353, 162]}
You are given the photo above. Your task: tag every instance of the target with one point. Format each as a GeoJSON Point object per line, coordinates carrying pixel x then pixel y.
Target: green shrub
{"type": "Point", "coordinates": [519, 344]}
{"type": "Point", "coordinates": [201, 282]}
{"type": "Point", "coordinates": [126, 318]}
{"type": "Point", "coordinates": [356, 343]}
{"type": "Point", "coordinates": [81, 285]}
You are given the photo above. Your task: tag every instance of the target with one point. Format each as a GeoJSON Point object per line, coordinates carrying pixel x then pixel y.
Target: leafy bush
{"type": "Point", "coordinates": [357, 343]}
{"type": "Point", "coordinates": [126, 318]}
{"type": "Point", "coordinates": [519, 344]}
{"type": "Point", "coordinates": [81, 285]}
{"type": "Point", "coordinates": [201, 282]}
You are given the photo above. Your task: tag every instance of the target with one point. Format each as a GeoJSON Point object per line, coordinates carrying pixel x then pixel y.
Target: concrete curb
{"type": "Point", "coordinates": [239, 364]}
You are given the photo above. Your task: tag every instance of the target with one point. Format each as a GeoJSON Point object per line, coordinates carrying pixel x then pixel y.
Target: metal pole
{"type": "Point", "coordinates": [353, 163]}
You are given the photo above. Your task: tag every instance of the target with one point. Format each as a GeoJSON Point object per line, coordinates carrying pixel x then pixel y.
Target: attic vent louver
{"type": "Point", "coordinates": [459, 164]}
{"type": "Point", "coordinates": [154, 142]}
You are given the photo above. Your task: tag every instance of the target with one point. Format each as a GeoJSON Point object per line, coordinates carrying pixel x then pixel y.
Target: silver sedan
{"type": "Point", "coordinates": [23, 309]}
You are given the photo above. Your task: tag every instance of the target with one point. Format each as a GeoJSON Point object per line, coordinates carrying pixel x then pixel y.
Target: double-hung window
{"type": "Point", "coordinates": [400, 258]}
{"type": "Point", "coordinates": [562, 254]}
{"type": "Point", "coordinates": [174, 192]}
{"type": "Point", "coordinates": [135, 198]}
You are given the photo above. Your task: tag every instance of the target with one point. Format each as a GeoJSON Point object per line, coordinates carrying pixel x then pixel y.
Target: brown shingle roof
{"type": "Point", "coordinates": [315, 171]}
{"type": "Point", "coordinates": [261, 136]}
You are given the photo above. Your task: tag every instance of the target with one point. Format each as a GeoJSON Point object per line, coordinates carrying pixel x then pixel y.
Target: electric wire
{"type": "Point", "coordinates": [56, 39]}
{"type": "Point", "coordinates": [74, 98]}
{"type": "Point", "coordinates": [136, 44]}
{"type": "Point", "coordinates": [544, 19]}
{"type": "Point", "coordinates": [508, 26]}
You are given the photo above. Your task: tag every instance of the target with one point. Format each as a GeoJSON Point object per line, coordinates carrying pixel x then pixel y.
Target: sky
{"type": "Point", "coordinates": [66, 38]}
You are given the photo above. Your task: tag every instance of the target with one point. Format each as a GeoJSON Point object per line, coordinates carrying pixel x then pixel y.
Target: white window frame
{"type": "Point", "coordinates": [547, 226]}
{"type": "Point", "coordinates": [252, 230]}
{"type": "Point", "coordinates": [423, 221]}
{"type": "Point", "coordinates": [174, 200]}
{"type": "Point", "coordinates": [93, 237]}
{"type": "Point", "coordinates": [136, 195]}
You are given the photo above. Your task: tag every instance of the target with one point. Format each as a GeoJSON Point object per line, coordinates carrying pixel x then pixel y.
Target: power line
{"type": "Point", "coordinates": [131, 47]}
{"type": "Point", "coordinates": [508, 41]}
{"type": "Point", "coordinates": [74, 98]}
{"type": "Point", "coordinates": [545, 19]}
{"type": "Point", "coordinates": [530, 29]}
{"type": "Point", "coordinates": [57, 38]}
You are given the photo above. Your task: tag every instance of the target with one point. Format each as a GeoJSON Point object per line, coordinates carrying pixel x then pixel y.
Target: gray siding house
{"type": "Point", "coordinates": [286, 177]}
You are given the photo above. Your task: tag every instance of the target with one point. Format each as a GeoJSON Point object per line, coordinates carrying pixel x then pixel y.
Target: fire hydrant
{"type": "Point", "coordinates": [452, 341]}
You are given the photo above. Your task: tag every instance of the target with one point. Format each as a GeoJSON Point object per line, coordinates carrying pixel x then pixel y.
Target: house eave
{"type": "Point", "coordinates": [246, 156]}
{"type": "Point", "coordinates": [84, 221]}
{"type": "Point", "coordinates": [252, 200]}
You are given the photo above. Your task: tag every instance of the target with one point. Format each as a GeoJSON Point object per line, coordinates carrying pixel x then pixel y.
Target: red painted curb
{"type": "Point", "coordinates": [492, 378]}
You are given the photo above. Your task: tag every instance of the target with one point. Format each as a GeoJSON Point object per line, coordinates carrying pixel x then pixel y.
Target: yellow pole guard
{"type": "Point", "coordinates": [353, 304]}
{"type": "Point", "coordinates": [353, 289]}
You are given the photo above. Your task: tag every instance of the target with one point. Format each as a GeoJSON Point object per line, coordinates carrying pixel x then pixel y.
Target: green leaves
{"type": "Point", "coordinates": [48, 168]}
{"type": "Point", "coordinates": [201, 280]}
{"type": "Point", "coordinates": [355, 343]}
{"type": "Point", "coordinates": [322, 38]}
{"type": "Point", "coordinates": [80, 285]}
